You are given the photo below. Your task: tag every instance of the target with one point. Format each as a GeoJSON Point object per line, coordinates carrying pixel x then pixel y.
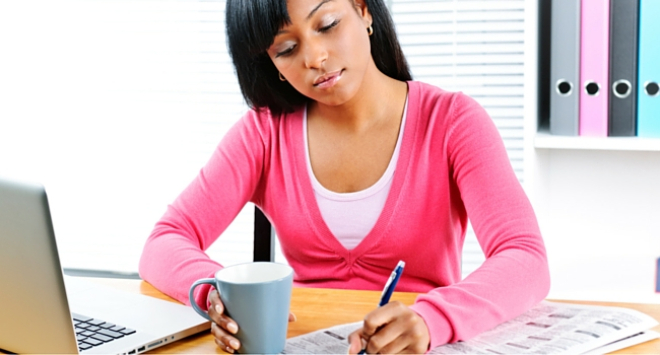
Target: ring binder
{"type": "Point", "coordinates": [648, 107]}
{"type": "Point", "coordinates": [564, 67]}
{"type": "Point", "coordinates": [594, 67]}
{"type": "Point", "coordinates": [624, 23]}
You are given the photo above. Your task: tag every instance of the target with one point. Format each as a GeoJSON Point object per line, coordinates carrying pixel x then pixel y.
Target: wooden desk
{"type": "Point", "coordinates": [322, 308]}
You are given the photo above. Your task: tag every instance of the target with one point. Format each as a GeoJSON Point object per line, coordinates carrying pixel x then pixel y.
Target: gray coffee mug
{"type": "Point", "coordinates": [257, 296]}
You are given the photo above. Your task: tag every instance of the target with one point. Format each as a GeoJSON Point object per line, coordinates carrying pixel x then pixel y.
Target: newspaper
{"type": "Point", "coordinates": [625, 342]}
{"type": "Point", "coordinates": [325, 341]}
{"type": "Point", "coordinates": [548, 328]}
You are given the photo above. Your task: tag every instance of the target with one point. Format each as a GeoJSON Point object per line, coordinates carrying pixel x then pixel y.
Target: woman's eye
{"type": "Point", "coordinates": [284, 52]}
{"type": "Point", "coordinates": [328, 27]}
{"type": "Point", "coordinates": [323, 29]}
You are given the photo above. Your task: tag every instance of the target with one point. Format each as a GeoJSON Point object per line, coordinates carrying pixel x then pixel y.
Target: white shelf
{"type": "Point", "coordinates": [544, 140]}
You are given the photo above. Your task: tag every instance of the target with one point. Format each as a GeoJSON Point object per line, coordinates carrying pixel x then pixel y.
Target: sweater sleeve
{"type": "Point", "coordinates": [515, 275]}
{"type": "Point", "coordinates": [173, 256]}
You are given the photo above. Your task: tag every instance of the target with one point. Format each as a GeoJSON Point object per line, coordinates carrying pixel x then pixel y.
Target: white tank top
{"type": "Point", "coordinates": [351, 216]}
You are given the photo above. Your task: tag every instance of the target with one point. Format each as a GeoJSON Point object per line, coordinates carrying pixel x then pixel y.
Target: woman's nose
{"type": "Point", "coordinates": [315, 54]}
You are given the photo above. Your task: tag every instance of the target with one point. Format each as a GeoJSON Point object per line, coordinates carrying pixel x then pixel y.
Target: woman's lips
{"type": "Point", "coordinates": [328, 80]}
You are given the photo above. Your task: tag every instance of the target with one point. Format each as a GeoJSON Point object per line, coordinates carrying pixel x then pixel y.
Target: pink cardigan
{"type": "Point", "coordinates": [452, 165]}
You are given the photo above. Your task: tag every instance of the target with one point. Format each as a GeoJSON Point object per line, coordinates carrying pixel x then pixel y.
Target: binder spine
{"type": "Point", "coordinates": [657, 276]}
{"type": "Point", "coordinates": [594, 67]}
{"type": "Point", "coordinates": [648, 109]}
{"type": "Point", "coordinates": [623, 67]}
{"type": "Point", "coordinates": [564, 67]}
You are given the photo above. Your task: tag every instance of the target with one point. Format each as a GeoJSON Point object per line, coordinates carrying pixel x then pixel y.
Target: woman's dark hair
{"type": "Point", "coordinates": [251, 27]}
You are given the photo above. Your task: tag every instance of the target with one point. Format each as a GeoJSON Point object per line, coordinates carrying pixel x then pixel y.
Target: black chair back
{"type": "Point", "coordinates": [264, 245]}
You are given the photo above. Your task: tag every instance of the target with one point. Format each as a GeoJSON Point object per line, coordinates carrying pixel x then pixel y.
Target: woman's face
{"type": "Point", "coordinates": [325, 52]}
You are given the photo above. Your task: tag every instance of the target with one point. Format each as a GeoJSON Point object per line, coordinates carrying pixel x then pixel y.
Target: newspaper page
{"type": "Point", "coordinates": [555, 328]}
{"type": "Point", "coordinates": [625, 342]}
{"type": "Point", "coordinates": [548, 328]}
{"type": "Point", "coordinates": [326, 341]}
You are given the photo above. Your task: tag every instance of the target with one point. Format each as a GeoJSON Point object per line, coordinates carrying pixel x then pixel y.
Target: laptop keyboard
{"type": "Point", "coordinates": [92, 332]}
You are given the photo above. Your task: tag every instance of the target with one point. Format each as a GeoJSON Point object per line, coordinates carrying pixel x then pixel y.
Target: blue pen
{"type": "Point", "coordinates": [389, 288]}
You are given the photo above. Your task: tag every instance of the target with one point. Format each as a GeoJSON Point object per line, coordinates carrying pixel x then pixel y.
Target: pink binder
{"type": "Point", "coordinates": [594, 67]}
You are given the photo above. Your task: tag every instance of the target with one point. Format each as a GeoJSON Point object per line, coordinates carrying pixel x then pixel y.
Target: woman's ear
{"type": "Point", "coordinates": [363, 11]}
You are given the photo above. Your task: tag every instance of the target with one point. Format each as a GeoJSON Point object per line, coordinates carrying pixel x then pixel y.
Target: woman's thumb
{"type": "Point", "coordinates": [292, 317]}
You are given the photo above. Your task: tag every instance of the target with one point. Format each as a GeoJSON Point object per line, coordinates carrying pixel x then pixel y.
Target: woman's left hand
{"type": "Point", "coordinates": [392, 328]}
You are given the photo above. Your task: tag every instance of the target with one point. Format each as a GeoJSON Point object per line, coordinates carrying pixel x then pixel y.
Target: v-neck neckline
{"type": "Point", "coordinates": [313, 215]}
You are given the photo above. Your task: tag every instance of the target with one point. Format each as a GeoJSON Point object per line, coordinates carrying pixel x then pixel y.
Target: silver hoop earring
{"type": "Point", "coordinates": [370, 30]}
{"type": "Point", "coordinates": [281, 77]}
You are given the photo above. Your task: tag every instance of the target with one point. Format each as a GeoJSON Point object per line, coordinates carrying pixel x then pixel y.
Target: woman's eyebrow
{"type": "Point", "coordinates": [316, 9]}
{"type": "Point", "coordinates": [311, 13]}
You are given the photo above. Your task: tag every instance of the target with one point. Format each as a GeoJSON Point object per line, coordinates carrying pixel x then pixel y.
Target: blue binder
{"type": "Point", "coordinates": [657, 276]}
{"type": "Point", "coordinates": [648, 93]}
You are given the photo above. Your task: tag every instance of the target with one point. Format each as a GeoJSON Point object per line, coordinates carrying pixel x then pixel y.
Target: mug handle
{"type": "Point", "coordinates": [193, 303]}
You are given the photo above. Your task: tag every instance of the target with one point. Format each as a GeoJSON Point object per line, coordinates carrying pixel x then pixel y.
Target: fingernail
{"type": "Point", "coordinates": [232, 327]}
{"type": "Point", "coordinates": [234, 344]}
{"type": "Point", "coordinates": [218, 309]}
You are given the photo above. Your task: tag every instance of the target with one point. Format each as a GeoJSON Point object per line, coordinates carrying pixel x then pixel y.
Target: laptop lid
{"type": "Point", "coordinates": [34, 305]}
{"type": "Point", "coordinates": [33, 292]}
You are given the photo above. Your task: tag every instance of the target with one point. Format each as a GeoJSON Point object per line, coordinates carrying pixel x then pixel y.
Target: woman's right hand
{"type": "Point", "coordinates": [222, 326]}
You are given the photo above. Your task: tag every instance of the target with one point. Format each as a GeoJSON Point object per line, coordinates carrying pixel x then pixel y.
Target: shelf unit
{"type": "Point", "coordinates": [544, 140]}
{"type": "Point", "coordinates": [597, 200]}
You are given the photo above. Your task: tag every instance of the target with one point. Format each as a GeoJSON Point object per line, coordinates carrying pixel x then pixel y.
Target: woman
{"type": "Point", "coordinates": [357, 167]}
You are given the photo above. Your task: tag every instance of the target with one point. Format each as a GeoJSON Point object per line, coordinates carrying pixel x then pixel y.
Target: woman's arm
{"type": "Point", "coordinates": [173, 256]}
{"type": "Point", "coordinates": [515, 275]}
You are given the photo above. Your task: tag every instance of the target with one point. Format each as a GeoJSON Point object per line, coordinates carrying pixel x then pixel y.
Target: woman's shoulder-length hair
{"type": "Point", "coordinates": [251, 27]}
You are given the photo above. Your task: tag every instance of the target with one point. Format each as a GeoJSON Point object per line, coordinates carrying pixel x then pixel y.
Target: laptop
{"type": "Point", "coordinates": [42, 311]}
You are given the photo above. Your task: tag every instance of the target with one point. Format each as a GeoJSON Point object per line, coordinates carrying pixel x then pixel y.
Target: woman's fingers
{"type": "Point", "coordinates": [224, 339]}
{"type": "Point", "coordinates": [380, 317]}
{"type": "Point", "coordinates": [394, 328]}
{"type": "Point", "coordinates": [216, 312]}
{"type": "Point", "coordinates": [388, 340]}
{"type": "Point", "coordinates": [224, 347]}
{"type": "Point", "coordinates": [292, 317]}
{"type": "Point", "coordinates": [356, 342]}
{"type": "Point", "coordinates": [222, 326]}
{"type": "Point", "coordinates": [216, 302]}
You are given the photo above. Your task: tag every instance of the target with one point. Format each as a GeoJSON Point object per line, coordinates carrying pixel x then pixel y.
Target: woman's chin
{"type": "Point", "coordinates": [333, 99]}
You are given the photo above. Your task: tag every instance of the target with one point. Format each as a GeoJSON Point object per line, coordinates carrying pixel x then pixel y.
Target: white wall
{"type": "Point", "coordinates": [599, 211]}
{"type": "Point", "coordinates": [597, 202]}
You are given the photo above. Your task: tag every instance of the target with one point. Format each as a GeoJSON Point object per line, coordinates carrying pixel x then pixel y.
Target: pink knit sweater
{"type": "Point", "coordinates": [452, 165]}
